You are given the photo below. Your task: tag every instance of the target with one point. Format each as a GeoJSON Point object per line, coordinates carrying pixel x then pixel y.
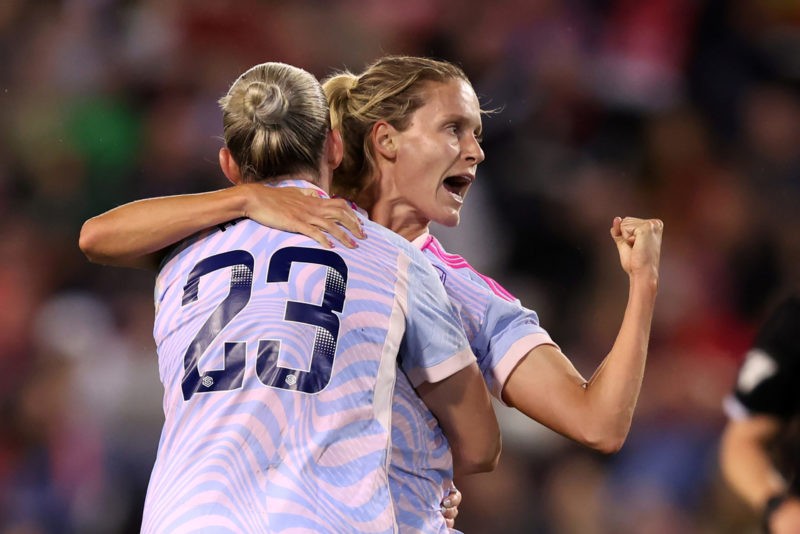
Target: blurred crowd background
{"type": "Point", "coordinates": [685, 110]}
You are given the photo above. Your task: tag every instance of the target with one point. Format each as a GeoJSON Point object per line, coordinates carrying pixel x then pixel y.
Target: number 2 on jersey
{"type": "Point", "coordinates": [321, 316]}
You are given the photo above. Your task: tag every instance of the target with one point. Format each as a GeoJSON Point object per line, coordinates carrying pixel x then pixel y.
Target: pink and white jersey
{"type": "Point", "coordinates": [278, 360]}
{"type": "Point", "coordinates": [501, 332]}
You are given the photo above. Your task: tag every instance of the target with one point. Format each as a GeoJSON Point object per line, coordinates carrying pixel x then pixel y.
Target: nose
{"type": "Point", "coordinates": [473, 151]}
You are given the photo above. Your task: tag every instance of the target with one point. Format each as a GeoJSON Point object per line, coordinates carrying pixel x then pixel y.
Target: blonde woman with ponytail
{"type": "Point", "coordinates": [279, 357]}
{"type": "Point", "coordinates": [411, 129]}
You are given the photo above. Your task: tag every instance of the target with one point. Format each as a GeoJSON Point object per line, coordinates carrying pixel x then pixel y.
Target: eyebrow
{"type": "Point", "coordinates": [462, 120]}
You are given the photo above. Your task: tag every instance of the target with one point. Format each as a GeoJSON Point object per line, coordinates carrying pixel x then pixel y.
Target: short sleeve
{"type": "Point", "coordinates": [766, 382]}
{"type": "Point", "coordinates": [507, 332]}
{"type": "Point", "coordinates": [435, 345]}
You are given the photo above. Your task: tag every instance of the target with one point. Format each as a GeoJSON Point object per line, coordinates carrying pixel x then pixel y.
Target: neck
{"type": "Point", "coordinates": [399, 218]}
{"type": "Point", "coordinates": [322, 181]}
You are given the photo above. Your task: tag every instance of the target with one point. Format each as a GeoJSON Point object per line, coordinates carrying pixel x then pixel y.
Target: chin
{"type": "Point", "coordinates": [449, 220]}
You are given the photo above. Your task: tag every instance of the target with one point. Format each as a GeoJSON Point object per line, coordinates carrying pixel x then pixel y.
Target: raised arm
{"type": "Point", "coordinates": [598, 412]}
{"type": "Point", "coordinates": [137, 233]}
{"type": "Point", "coordinates": [463, 407]}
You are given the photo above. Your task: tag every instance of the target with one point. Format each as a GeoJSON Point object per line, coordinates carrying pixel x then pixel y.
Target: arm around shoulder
{"type": "Point", "coordinates": [137, 233]}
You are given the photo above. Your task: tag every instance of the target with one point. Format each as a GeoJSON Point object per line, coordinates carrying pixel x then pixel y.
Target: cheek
{"type": "Point", "coordinates": [419, 165]}
{"type": "Point", "coordinates": [424, 162]}
{"type": "Point", "coordinates": [437, 146]}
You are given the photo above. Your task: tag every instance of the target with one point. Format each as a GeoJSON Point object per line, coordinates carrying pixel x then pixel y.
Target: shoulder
{"type": "Point", "coordinates": [457, 270]}
{"type": "Point", "coordinates": [397, 241]}
{"type": "Point", "coordinates": [239, 233]}
{"type": "Point", "coordinates": [777, 336]}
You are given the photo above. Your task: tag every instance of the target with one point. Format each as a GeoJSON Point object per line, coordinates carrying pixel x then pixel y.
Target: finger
{"type": "Point", "coordinates": [616, 229]}
{"type": "Point", "coordinates": [628, 229]}
{"type": "Point", "coordinates": [629, 234]}
{"type": "Point", "coordinates": [657, 225]}
{"type": "Point", "coordinates": [348, 219]}
{"type": "Point", "coordinates": [336, 231]}
{"type": "Point", "coordinates": [632, 228]}
{"type": "Point", "coordinates": [454, 497]}
{"type": "Point", "coordinates": [451, 523]}
{"type": "Point", "coordinates": [306, 191]}
{"type": "Point", "coordinates": [315, 234]}
{"type": "Point", "coordinates": [341, 211]}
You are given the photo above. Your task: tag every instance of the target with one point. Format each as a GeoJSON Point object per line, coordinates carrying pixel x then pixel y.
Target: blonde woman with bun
{"type": "Point", "coordinates": [411, 129]}
{"type": "Point", "coordinates": [279, 357]}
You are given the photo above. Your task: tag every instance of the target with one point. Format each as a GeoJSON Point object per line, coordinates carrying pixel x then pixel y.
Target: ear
{"type": "Point", "coordinates": [334, 149]}
{"type": "Point", "coordinates": [384, 139]}
{"type": "Point", "coordinates": [229, 167]}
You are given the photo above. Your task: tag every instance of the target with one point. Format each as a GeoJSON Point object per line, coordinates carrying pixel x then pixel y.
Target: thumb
{"type": "Point", "coordinates": [616, 229]}
{"type": "Point", "coordinates": [309, 192]}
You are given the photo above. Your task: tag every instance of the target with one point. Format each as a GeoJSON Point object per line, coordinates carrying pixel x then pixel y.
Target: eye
{"type": "Point", "coordinates": [452, 128]}
{"type": "Point", "coordinates": [479, 137]}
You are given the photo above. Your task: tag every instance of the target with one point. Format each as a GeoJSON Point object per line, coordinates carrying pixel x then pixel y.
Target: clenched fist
{"type": "Point", "coordinates": [639, 244]}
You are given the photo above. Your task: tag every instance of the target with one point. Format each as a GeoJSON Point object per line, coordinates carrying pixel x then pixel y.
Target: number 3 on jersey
{"type": "Point", "coordinates": [322, 316]}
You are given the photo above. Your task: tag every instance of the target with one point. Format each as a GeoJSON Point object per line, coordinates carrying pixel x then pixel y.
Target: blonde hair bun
{"type": "Point", "coordinates": [265, 104]}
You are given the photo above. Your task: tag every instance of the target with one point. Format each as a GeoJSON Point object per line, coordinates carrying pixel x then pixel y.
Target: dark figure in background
{"type": "Point", "coordinates": [760, 445]}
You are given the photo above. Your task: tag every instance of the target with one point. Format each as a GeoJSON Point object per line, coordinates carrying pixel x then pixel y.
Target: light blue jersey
{"type": "Point", "coordinates": [279, 363]}
{"type": "Point", "coordinates": [501, 332]}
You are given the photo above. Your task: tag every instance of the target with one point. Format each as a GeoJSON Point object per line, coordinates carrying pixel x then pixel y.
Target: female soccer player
{"type": "Point", "coordinates": [759, 450]}
{"type": "Point", "coordinates": [411, 129]}
{"type": "Point", "coordinates": [279, 357]}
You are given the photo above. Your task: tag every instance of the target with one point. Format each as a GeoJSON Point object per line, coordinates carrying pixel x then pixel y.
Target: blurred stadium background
{"type": "Point", "coordinates": [686, 110]}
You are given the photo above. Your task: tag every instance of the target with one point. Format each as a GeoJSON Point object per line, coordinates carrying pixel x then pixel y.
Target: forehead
{"type": "Point", "coordinates": [454, 97]}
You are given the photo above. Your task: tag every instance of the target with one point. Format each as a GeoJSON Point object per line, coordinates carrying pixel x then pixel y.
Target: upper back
{"type": "Point", "coordinates": [286, 352]}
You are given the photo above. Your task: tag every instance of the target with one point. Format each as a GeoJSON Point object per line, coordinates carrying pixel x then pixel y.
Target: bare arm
{"type": "Point", "coordinates": [134, 234]}
{"type": "Point", "coordinates": [463, 407]}
{"type": "Point", "coordinates": [598, 412]}
{"type": "Point", "coordinates": [745, 462]}
{"type": "Point", "coordinates": [747, 466]}
{"type": "Point", "coordinates": [785, 519]}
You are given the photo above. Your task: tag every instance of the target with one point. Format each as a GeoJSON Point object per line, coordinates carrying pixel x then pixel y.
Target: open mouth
{"type": "Point", "coordinates": [457, 185]}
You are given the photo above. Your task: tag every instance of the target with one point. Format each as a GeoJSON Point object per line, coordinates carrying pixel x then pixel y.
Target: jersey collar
{"type": "Point", "coordinates": [423, 241]}
{"type": "Point", "coordinates": [304, 184]}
